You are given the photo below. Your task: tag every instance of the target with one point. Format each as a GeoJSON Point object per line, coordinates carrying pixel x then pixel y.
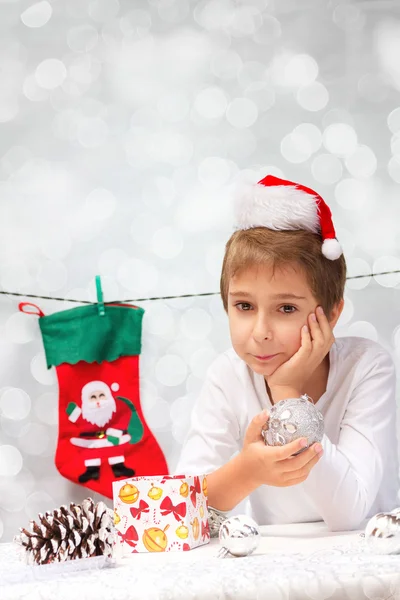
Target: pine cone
{"type": "Point", "coordinates": [82, 531]}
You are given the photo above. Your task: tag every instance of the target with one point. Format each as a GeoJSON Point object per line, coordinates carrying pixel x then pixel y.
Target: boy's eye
{"type": "Point", "coordinates": [243, 306]}
{"type": "Point", "coordinates": [288, 309]}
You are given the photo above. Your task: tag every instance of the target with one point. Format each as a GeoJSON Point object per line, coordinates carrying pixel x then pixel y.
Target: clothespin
{"type": "Point", "coordinates": [100, 301]}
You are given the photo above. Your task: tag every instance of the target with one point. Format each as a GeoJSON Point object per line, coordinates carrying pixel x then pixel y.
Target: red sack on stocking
{"type": "Point", "coordinates": [102, 434]}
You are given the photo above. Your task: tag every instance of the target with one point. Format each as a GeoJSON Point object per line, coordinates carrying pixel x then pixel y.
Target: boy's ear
{"type": "Point", "coordinates": [336, 312]}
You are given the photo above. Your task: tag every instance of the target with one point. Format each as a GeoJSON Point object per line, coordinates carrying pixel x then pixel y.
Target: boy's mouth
{"type": "Point", "coordinates": [265, 357]}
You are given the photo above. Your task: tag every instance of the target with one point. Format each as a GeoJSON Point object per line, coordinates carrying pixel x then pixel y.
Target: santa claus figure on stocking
{"type": "Point", "coordinates": [103, 432]}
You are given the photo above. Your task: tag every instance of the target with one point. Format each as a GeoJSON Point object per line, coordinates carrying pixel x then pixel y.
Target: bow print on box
{"type": "Point", "coordinates": [102, 435]}
{"type": "Point", "coordinates": [160, 514]}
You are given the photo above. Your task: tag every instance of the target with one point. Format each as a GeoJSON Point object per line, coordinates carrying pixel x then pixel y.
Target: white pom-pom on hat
{"type": "Point", "coordinates": [284, 205]}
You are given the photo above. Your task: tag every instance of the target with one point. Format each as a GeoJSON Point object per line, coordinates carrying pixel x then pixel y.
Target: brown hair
{"type": "Point", "coordinates": [260, 245]}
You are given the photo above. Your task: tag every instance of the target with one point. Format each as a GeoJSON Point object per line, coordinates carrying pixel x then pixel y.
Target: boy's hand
{"type": "Point", "coordinates": [316, 340]}
{"type": "Point", "coordinates": [276, 465]}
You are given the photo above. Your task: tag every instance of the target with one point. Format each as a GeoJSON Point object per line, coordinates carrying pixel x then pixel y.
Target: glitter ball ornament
{"type": "Point", "coordinates": [382, 532]}
{"type": "Point", "coordinates": [292, 419]}
{"type": "Point", "coordinates": [239, 536]}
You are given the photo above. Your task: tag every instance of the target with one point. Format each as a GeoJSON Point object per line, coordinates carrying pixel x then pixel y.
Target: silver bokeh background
{"type": "Point", "coordinates": [123, 126]}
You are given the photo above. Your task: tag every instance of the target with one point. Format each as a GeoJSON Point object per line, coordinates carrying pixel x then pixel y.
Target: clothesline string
{"type": "Point", "coordinates": [201, 295]}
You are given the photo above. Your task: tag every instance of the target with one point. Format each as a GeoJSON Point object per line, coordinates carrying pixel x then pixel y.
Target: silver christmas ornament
{"type": "Point", "coordinates": [292, 419]}
{"type": "Point", "coordinates": [382, 532]}
{"type": "Point", "coordinates": [215, 520]}
{"type": "Point", "coordinates": [239, 536]}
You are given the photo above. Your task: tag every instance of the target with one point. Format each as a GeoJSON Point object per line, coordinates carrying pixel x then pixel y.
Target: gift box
{"type": "Point", "coordinates": [161, 514]}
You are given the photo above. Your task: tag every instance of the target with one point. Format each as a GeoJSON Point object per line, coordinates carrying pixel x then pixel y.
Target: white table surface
{"type": "Point", "coordinates": [292, 562]}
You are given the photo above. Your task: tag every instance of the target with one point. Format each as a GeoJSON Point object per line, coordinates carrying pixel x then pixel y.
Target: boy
{"type": "Point", "coordinates": [283, 294]}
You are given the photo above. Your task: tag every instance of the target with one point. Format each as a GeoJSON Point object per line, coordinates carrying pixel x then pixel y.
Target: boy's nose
{"type": "Point", "coordinates": [262, 331]}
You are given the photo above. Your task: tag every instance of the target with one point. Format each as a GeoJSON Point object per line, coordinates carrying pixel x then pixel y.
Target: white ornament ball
{"type": "Point", "coordinates": [239, 535]}
{"type": "Point", "coordinates": [382, 532]}
{"type": "Point", "coordinates": [292, 419]}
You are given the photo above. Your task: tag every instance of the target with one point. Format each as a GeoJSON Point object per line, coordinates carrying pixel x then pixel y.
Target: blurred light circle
{"type": "Point", "coordinates": [213, 258]}
{"type": "Point", "coordinates": [171, 147]}
{"type": "Point", "coordinates": [357, 267]}
{"type": "Point", "coordinates": [11, 427]}
{"type": "Point", "coordinates": [394, 168]}
{"type": "Point", "coordinates": [337, 115]}
{"type": "Point", "coordinates": [12, 496]}
{"type": "Point", "coordinates": [170, 370]}
{"type": "Point", "coordinates": [251, 72]}
{"type": "Point", "coordinates": [348, 17]}
{"type": "Point", "coordinates": [101, 203]}
{"type": "Point", "coordinates": [56, 243]}
{"type": "Point", "coordinates": [194, 385]}
{"type": "Point", "coordinates": [159, 319]}
{"type": "Point", "coordinates": [301, 70]}
{"type": "Point", "coordinates": [244, 20]}
{"type": "Point", "coordinates": [50, 73]}
{"type": "Point", "coordinates": [167, 242]}
{"type": "Point", "coordinates": [46, 408]}
{"type": "Point", "coordinates": [110, 260]}
{"type": "Point", "coordinates": [326, 169]}
{"type": "Point", "coordinates": [160, 188]}
{"type": "Point", "coordinates": [136, 22]}
{"type": "Point", "coordinates": [347, 312]}
{"type": "Point", "coordinates": [261, 94]}
{"type": "Point", "coordinates": [351, 194]}
{"type": "Point", "coordinates": [384, 264]}
{"type": "Point", "coordinates": [296, 148]}
{"type": "Point", "coordinates": [40, 371]}
{"type": "Point", "coordinates": [35, 440]}
{"type": "Point", "coordinates": [269, 31]}
{"type": "Point", "coordinates": [347, 241]}
{"type": "Point", "coordinates": [65, 125]}
{"type": "Point", "coordinates": [312, 97]}
{"type": "Point", "coordinates": [82, 38]}
{"type": "Point", "coordinates": [196, 324]}
{"type": "Point", "coordinates": [8, 109]}
{"type": "Point", "coordinates": [241, 143]}
{"type": "Point", "coordinates": [200, 361]}
{"type": "Point", "coordinates": [311, 133]}
{"type": "Point", "coordinates": [37, 15]}
{"type": "Point", "coordinates": [226, 64]}
{"type": "Point", "coordinates": [173, 107]}
{"type": "Point", "coordinates": [10, 461]}
{"type": "Point", "coordinates": [340, 139]}
{"type": "Point", "coordinates": [214, 171]}
{"type": "Point", "coordinates": [363, 329]}
{"type": "Point", "coordinates": [15, 403]}
{"type": "Point", "coordinates": [242, 113]}
{"type": "Point", "coordinates": [211, 103]}
{"type": "Point", "coordinates": [144, 226]}
{"type": "Point", "coordinates": [158, 416]}
{"type": "Point", "coordinates": [137, 276]}
{"type": "Point", "coordinates": [373, 87]}
{"type": "Point", "coordinates": [38, 502]}
{"type": "Point", "coordinates": [393, 120]}
{"type": "Point", "coordinates": [395, 143]}
{"type": "Point", "coordinates": [103, 10]}
{"type": "Point", "coordinates": [173, 12]}
{"type": "Point", "coordinates": [32, 91]}
{"type": "Point", "coordinates": [362, 163]}
{"type": "Point", "coordinates": [20, 328]}
{"type": "Point", "coordinates": [52, 275]}
{"type": "Point", "coordinates": [92, 133]}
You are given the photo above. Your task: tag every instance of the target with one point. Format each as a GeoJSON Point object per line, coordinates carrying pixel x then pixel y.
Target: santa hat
{"type": "Point", "coordinates": [284, 205]}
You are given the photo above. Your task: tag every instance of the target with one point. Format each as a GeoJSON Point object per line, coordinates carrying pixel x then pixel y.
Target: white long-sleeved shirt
{"type": "Point", "coordinates": [357, 475]}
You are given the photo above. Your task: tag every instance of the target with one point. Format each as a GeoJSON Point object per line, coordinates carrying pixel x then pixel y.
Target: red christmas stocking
{"type": "Point", "coordinates": [102, 433]}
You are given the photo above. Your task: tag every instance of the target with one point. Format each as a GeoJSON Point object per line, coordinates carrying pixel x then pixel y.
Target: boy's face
{"type": "Point", "coordinates": [266, 312]}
